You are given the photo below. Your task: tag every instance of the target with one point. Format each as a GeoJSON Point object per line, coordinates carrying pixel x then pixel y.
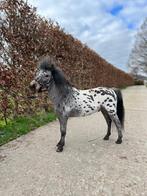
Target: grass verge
{"type": "Point", "coordinates": [23, 125]}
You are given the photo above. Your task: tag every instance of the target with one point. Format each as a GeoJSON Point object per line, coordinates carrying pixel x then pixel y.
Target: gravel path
{"type": "Point", "coordinates": [30, 166]}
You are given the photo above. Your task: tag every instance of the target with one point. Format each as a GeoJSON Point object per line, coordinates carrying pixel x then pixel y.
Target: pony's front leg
{"type": "Point", "coordinates": [63, 125]}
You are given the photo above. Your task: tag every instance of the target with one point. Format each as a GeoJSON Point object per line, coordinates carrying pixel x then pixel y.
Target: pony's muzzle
{"type": "Point", "coordinates": [35, 86]}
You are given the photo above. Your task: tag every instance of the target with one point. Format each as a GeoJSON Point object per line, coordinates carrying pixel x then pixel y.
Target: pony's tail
{"type": "Point", "coordinates": [120, 107]}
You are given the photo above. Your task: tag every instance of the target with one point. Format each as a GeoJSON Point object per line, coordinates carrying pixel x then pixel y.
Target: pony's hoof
{"type": "Point", "coordinates": [119, 141]}
{"type": "Point", "coordinates": [106, 137]}
{"type": "Point", "coordinates": [59, 149]}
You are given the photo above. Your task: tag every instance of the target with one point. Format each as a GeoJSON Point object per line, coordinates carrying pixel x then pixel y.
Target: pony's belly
{"type": "Point", "coordinates": [74, 113]}
{"type": "Point", "coordinates": [89, 112]}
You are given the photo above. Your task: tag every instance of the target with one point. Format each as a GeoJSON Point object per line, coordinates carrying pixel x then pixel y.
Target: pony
{"type": "Point", "coordinates": [69, 101]}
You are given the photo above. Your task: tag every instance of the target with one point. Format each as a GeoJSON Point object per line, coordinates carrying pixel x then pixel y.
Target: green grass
{"type": "Point", "coordinates": [23, 125]}
{"type": "Point", "coordinates": [123, 87]}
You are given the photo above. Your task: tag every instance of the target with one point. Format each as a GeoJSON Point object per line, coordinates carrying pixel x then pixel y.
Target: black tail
{"type": "Point", "coordinates": [120, 106]}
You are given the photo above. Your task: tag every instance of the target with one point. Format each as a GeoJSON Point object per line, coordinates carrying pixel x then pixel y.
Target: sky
{"type": "Point", "coordinates": [106, 26]}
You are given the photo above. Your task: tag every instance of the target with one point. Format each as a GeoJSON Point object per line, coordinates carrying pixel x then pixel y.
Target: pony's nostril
{"type": "Point", "coordinates": [32, 87]}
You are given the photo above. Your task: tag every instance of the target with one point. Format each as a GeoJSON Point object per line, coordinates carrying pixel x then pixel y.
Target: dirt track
{"type": "Point", "coordinates": [87, 167]}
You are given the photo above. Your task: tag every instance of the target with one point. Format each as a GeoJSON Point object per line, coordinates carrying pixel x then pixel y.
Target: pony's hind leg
{"type": "Point", "coordinates": [109, 121]}
{"type": "Point", "coordinates": [63, 125]}
{"type": "Point", "coordinates": [119, 128]}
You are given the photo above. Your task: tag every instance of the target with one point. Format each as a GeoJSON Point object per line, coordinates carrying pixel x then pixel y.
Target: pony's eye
{"type": "Point", "coordinates": [46, 76]}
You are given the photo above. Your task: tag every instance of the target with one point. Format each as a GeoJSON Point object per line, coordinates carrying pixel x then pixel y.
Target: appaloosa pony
{"type": "Point", "coordinates": [69, 101]}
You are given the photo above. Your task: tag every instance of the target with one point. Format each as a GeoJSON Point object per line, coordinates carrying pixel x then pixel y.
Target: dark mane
{"type": "Point", "coordinates": [46, 63]}
{"type": "Point", "coordinates": [50, 64]}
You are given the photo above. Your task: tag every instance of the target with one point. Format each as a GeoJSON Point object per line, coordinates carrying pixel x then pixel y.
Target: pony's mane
{"type": "Point", "coordinates": [47, 63]}
{"type": "Point", "coordinates": [50, 64]}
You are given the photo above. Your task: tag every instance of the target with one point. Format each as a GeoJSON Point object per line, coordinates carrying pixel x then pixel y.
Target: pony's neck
{"type": "Point", "coordinates": [57, 94]}
{"type": "Point", "coordinates": [53, 94]}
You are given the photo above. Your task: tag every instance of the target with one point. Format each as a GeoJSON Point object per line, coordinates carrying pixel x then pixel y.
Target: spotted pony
{"type": "Point", "coordinates": [69, 101]}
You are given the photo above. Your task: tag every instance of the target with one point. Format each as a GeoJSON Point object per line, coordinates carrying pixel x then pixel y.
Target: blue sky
{"type": "Point", "coordinates": [107, 26]}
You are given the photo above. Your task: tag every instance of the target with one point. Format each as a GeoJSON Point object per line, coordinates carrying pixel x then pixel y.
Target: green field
{"type": "Point", "coordinates": [22, 125]}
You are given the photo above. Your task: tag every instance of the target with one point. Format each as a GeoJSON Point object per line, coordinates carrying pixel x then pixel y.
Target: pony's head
{"type": "Point", "coordinates": [43, 76]}
{"type": "Point", "coordinates": [49, 73]}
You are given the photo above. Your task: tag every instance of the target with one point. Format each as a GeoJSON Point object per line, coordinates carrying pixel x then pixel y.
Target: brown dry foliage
{"type": "Point", "coordinates": [24, 38]}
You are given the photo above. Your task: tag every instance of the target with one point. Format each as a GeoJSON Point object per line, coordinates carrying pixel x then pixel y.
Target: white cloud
{"type": "Point", "coordinates": [111, 35]}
